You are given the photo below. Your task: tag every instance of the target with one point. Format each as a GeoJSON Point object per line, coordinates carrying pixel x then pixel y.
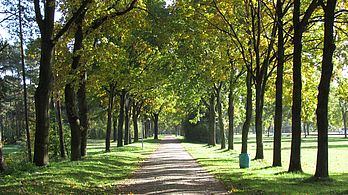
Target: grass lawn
{"type": "Point", "coordinates": [262, 178]}
{"type": "Point", "coordinates": [98, 173]}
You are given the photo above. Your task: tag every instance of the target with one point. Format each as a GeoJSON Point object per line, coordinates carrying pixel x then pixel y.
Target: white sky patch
{"type": "Point", "coordinates": [169, 2]}
{"type": "Point", "coordinates": [3, 33]}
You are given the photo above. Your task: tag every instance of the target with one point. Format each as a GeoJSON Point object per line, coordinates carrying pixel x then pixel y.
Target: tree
{"type": "Point", "coordinates": [111, 92]}
{"type": "Point", "coordinates": [278, 115]}
{"type": "Point", "coordinates": [48, 41]}
{"type": "Point", "coordinates": [2, 160]}
{"type": "Point", "coordinates": [79, 130]}
{"type": "Point", "coordinates": [135, 116]}
{"type": "Point", "coordinates": [248, 113]}
{"type": "Point", "coordinates": [299, 27]}
{"type": "Point", "coordinates": [121, 118]}
{"type": "Point", "coordinates": [218, 89]}
{"type": "Point", "coordinates": [127, 107]}
{"type": "Point", "coordinates": [212, 123]}
{"type": "Point", "coordinates": [18, 19]}
{"type": "Point", "coordinates": [322, 169]}
{"type": "Point", "coordinates": [26, 117]}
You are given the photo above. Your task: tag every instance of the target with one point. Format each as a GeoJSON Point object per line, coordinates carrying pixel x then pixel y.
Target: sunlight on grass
{"type": "Point", "coordinates": [262, 178]}
{"type": "Point", "coordinates": [99, 172]}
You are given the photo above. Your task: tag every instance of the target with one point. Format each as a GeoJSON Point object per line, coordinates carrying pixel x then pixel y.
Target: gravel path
{"type": "Point", "coordinates": [171, 170]}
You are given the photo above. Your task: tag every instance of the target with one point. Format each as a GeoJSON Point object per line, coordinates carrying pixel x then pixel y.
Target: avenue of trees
{"type": "Point", "coordinates": [120, 70]}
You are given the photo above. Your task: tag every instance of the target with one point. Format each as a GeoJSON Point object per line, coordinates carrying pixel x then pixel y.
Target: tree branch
{"type": "Point", "coordinates": [308, 13]}
{"type": "Point", "coordinates": [38, 14]}
{"type": "Point", "coordinates": [81, 10]}
{"type": "Point", "coordinates": [97, 23]}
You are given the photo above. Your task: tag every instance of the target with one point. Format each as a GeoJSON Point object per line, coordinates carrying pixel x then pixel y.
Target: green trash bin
{"type": "Point", "coordinates": [244, 160]}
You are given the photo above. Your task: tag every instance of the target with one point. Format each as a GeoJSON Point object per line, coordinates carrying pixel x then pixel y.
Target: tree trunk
{"type": "Point", "coordinates": [344, 116]}
{"type": "Point", "coordinates": [212, 125]}
{"type": "Point", "coordinates": [147, 128]}
{"type": "Point", "coordinates": [43, 91]}
{"type": "Point", "coordinates": [231, 117]}
{"type": "Point", "coordinates": [155, 120]}
{"type": "Point", "coordinates": [115, 126]}
{"type": "Point", "coordinates": [53, 126]}
{"type": "Point", "coordinates": [2, 159]}
{"type": "Point", "coordinates": [126, 124]}
{"type": "Point", "coordinates": [26, 117]}
{"type": "Point", "coordinates": [71, 111]}
{"type": "Point", "coordinates": [248, 113]}
{"type": "Point", "coordinates": [135, 122]}
{"type": "Point", "coordinates": [295, 156]}
{"type": "Point", "coordinates": [258, 121]}
{"type": "Point", "coordinates": [121, 119]}
{"type": "Point", "coordinates": [70, 96]}
{"type": "Point", "coordinates": [60, 129]}
{"type": "Point", "coordinates": [278, 115]}
{"type": "Point", "coordinates": [322, 169]}
{"type": "Point", "coordinates": [83, 110]}
{"type": "Point", "coordinates": [109, 123]}
{"type": "Point", "coordinates": [305, 129]}
{"type": "Point", "coordinates": [220, 117]}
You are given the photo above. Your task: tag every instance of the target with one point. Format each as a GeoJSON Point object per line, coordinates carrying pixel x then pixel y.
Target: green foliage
{"type": "Point", "coordinates": [196, 132]}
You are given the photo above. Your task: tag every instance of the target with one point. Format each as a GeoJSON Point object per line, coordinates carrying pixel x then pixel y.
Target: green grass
{"type": "Point", "coordinates": [99, 172]}
{"type": "Point", "coordinates": [262, 178]}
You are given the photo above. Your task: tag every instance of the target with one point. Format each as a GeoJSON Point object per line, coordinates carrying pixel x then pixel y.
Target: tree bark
{"type": "Point", "coordinates": [115, 126]}
{"type": "Point", "coordinates": [322, 168]}
{"type": "Point", "coordinates": [71, 111]}
{"type": "Point", "coordinates": [295, 156]}
{"type": "Point", "coordinates": [147, 128]}
{"type": "Point", "coordinates": [2, 159]}
{"type": "Point", "coordinates": [26, 117]}
{"type": "Point", "coordinates": [121, 119]}
{"type": "Point", "coordinates": [278, 115]}
{"type": "Point", "coordinates": [220, 116]}
{"type": "Point", "coordinates": [248, 113]}
{"type": "Point", "coordinates": [126, 124]}
{"type": "Point", "coordinates": [231, 116]}
{"type": "Point", "coordinates": [60, 129]}
{"type": "Point", "coordinates": [109, 123]}
{"type": "Point", "coordinates": [258, 121]}
{"type": "Point", "coordinates": [212, 125]}
{"type": "Point", "coordinates": [155, 120]}
{"type": "Point", "coordinates": [43, 90]}
{"type": "Point", "coordinates": [345, 122]}
{"type": "Point", "coordinates": [135, 122]}
{"type": "Point", "coordinates": [305, 129]}
{"type": "Point", "coordinates": [83, 110]}
{"type": "Point", "coordinates": [70, 96]}
{"type": "Point", "coordinates": [299, 27]}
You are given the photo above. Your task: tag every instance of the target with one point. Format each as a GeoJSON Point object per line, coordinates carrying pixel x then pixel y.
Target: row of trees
{"type": "Point", "coordinates": [128, 60]}
{"type": "Point", "coordinates": [97, 37]}
{"type": "Point", "coordinates": [256, 39]}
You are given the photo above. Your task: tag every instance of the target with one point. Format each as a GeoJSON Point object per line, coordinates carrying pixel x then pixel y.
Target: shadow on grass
{"type": "Point", "coordinates": [262, 178]}
{"type": "Point", "coordinates": [98, 173]}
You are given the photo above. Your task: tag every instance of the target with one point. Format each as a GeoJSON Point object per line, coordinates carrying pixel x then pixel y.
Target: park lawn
{"type": "Point", "coordinates": [262, 178]}
{"type": "Point", "coordinates": [98, 173]}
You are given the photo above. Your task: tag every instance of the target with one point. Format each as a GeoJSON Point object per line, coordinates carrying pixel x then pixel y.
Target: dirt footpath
{"type": "Point", "coordinates": [171, 170]}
